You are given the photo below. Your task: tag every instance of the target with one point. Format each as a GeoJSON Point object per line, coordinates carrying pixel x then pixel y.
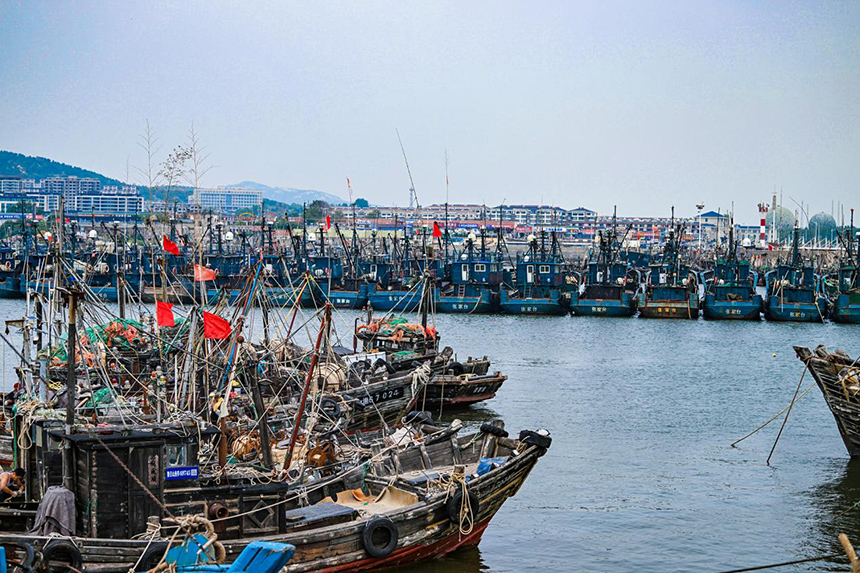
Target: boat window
{"type": "Point", "coordinates": [544, 269]}
{"type": "Point", "coordinates": [176, 455]}
{"type": "Point", "coordinates": [480, 267]}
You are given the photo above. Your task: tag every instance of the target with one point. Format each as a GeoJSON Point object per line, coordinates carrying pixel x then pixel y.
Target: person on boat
{"type": "Point", "coordinates": [12, 483]}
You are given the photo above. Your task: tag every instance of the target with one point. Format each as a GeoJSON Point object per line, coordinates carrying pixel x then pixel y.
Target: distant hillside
{"type": "Point", "coordinates": [41, 167]}
{"type": "Point", "coordinates": [289, 195]}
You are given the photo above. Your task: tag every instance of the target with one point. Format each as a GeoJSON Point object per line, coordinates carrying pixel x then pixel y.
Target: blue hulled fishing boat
{"type": "Point", "coordinates": [610, 284]}
{"type": "Point", "coordinates": [730, 294]}
{"type": "Point", "coordinates": [846, 298]}
{"type": "Point", "coordinates": [397, 276]}
{"type": "Point", "coordinates": [672, 289]}
{"type": "Point", "coordinates": [349, 287]}
{"type": "Point", "coordinates": [794, 292]}
{"type": "Point", "coordinates": [542, 284]}
{"type": "Point", "coordinates": [475, 279]}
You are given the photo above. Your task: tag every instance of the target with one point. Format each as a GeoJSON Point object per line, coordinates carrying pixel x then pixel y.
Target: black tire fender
{"type": "Point", "coordinates": [379, 524]}
{"type": "Point", "coordinates": [152, 556]}
{"type": "Point", "coordinates": [456, 368]}
{"type": "Point", "coordinates": [456, 500]}
{"type": "Point", "coordinates": [64, 551]}
{"type": "Point", "coordinates": [488, 428]}
{"type": "Point", "coordinates": [330, 407]}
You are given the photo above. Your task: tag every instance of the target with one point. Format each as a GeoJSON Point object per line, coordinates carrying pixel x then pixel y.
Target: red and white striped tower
{"type": "Point", "coordinates": [762, 209]}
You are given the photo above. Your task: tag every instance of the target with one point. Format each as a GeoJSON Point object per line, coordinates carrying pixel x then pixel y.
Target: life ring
{"type": "Point", "coordinates": [151, 557]}
{"type": "Point", "coordinates": [455, 502]}
{"type": "Point", "coordinates": [63, 551]}
{"type": "Point", "coordinates": [379, 536]}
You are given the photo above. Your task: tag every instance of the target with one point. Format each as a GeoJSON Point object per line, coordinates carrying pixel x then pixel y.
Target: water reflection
{"type": "Point", "coordinates": [832, 513]}
{"type": "Point", "coordinates": [466, 560]}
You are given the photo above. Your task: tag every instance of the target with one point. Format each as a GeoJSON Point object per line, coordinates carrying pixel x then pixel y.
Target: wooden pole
{"type": "Point", "coordinates": [262, 416]}
{"type": "Point", "coordinates": [71, 387]}
{"type": "Point", "coordinates": [314, 359]}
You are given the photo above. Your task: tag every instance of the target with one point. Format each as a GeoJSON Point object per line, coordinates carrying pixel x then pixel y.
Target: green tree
{"type": "Point", "coordinates": [362, 203]}
{"type": "Point", "coordinates": [316, 211]}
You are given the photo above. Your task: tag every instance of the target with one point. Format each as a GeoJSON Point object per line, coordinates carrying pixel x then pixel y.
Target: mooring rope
{"type": "Point", "coordinates": [784, 563]}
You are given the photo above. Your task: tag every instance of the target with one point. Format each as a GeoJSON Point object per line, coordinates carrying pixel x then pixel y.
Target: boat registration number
{"type": "Point", "coordinates": [598, 309]}
{"type": "Point", "coordinates": [381, 396]}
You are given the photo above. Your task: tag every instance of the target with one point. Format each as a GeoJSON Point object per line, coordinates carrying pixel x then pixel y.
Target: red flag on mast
{"type": "Point", "coordinates": [164, 314]}
{"type": "Point", "coordinates": [203, 274]}
{"type": "Point", "coordinates": [169, 246]}
{"type": "Point", "coordinates": [328, 222]}
{"type": "Point", "coordinates": [215, 327]}
{"type": "Point", "coordinates": [437, 231]}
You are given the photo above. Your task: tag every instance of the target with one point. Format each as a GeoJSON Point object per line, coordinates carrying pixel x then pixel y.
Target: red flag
{"type": "Point", "coordinates": [437, 231]}
{"type": "Point", "coordinates": [164, 314]}
{"type": "Point", "coordinates": [215, 327]}
{"type": "Point", "coordinates": [328, 222]}
{"type": "Point", "coordinates": [169, 246]}
{"type": "Point", "coordinates": [203, 274]}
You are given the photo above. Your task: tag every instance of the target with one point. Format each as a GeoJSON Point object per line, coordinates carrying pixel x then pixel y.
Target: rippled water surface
{"type": "Point", "coordinates": [641, 474]}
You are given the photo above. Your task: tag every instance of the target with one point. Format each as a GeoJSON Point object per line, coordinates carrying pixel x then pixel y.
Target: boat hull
{"type": "Point", "coordinates": [670, 309]}
{"type": "Point", "coordinates": [624, 307]}
{"type": "Point", "coordinates": [10, 287]}
{"type": "Point", "coordinates": [350, 298]}
{"type": "Point", "coordinates": [777, 311]}
{"type": "Point", "coordinates": [396, 300]}
{"type": "Point", "coordinates": [713, 309]}
{"type": "Point", "coordinates": [846, 309]}
{"type": "Point", "coordinates": [449, 391]}
{"type": "Point", "coordinates": [836, 376]}
{"type": "Point", "coordinates": [552, 306]}
{"type": "Point", "coordinates": [479, 304]}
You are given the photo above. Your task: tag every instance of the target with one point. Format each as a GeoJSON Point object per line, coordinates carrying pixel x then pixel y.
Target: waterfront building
{"type": "Point", "coordinates": [71, 187]}
{"type": "Point", "coordinates": [224, 199]}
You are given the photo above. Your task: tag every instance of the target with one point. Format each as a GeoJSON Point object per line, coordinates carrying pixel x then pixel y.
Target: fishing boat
{"type": "Point", "coordinates": [730, 291]}
{"type": "Point", "coordinates": [845, 307]}
{"type": "Point", "coordinates": [795, 293]}
{"type": "Point", "coordinates": [475, 280]}
{"type": "Point", "coordinates": [610, 285]}
{"type": "Point", "coordinates": [671, 288]}
{"type": "Point", "coordinates": [541, 282]}
{"type": "Point", "coordinates": [402, 505]}
{"type": "Point", "coordinates": [838, 377]}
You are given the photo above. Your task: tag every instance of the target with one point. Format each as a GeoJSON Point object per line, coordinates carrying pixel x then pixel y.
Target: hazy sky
{"type": "Point", "coordinates": [643, 104]}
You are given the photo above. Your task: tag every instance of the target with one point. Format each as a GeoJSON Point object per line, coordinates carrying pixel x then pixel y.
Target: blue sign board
{"type": "Point", "coordinates": [182, 473]}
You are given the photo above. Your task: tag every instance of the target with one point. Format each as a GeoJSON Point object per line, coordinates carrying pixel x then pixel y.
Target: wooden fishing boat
{"type": "Point", "coordinates": [403, 505]}
{"type": "Point", "coordinates": [451, 390]}
{"type": "Point", "coordinates": [838, 377]}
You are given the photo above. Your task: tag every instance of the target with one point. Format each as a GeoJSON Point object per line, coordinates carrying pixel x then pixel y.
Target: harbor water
{"type": "Point", "coordinates": [641, 474]}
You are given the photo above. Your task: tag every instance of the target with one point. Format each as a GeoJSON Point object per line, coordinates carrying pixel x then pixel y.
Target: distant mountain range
{"type": "Point", "coordinates": [31, 167]}
{"type": "Point", "coordinates": [289, 195]}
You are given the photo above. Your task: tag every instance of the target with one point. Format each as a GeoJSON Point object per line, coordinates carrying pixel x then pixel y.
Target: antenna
{"type": "Point", "coordinates": [413, 197]}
